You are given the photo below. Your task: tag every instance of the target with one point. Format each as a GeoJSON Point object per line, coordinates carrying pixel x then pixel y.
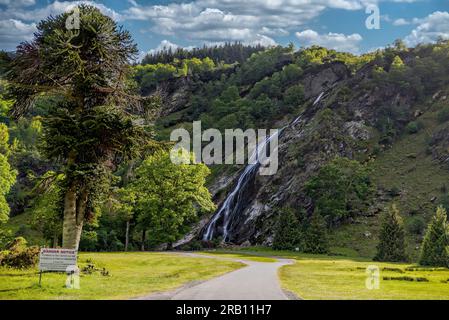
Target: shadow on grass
{"type": "Point", "coordinates": [18, 274]}
{"type": "Point", "coordinates": [16, 289]}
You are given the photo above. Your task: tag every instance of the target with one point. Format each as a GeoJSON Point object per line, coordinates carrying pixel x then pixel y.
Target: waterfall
{"type": "Point", "coordinates": [233, 204]}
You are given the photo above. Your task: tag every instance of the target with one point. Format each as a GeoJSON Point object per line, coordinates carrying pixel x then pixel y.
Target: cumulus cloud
{"type": "Point", "coordinates": [17, 3]}
{"type": "Point", "coordinates": [53, 8]}
{"type": "Point", "coordinates": [165, 45]}
{"type": "Point", "coordinates": [337, 41]}
{"type": "Point", "coordinates": [18, 23]}
{"type": "Point", "coordinates": [12, 32]}
{"type": "Point", "coordinates": [401, 22]}
{"type": "Point", "coordinates": [250, 21]}
{"type": "Point", "coordinates": [429, 29]}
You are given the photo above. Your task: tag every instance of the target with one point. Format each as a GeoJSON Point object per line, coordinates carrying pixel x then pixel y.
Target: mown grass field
{"type": "Point", "coordinates": [309, 277]}
{"type": "Point", "coordinates": [343, 278]}
{"type": "Point", "coordinates": [131, 275]}
{"type": "Point", "coordinates": [236, 255]}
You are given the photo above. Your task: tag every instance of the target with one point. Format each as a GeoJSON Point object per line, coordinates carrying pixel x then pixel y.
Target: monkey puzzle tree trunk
{"type": "Point", "coordinates": [74, 212]}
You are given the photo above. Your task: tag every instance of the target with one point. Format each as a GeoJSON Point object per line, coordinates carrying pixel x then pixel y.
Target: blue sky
{"type": "Point", "coordinates": [338, 24]}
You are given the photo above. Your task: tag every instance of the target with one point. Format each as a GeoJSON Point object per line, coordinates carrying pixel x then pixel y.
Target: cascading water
{"type": "Point", "coordinates": [233, 203]}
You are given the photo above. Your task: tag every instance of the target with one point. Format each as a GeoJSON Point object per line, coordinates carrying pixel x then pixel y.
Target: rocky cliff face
{"type": "Point", "coordinates": [330, 125]}
{"type": "Point", "coordinates": [345, 114]}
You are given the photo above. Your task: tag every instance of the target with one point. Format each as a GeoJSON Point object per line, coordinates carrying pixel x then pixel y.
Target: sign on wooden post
{"type": "Point", "coordinates": [56, 260]}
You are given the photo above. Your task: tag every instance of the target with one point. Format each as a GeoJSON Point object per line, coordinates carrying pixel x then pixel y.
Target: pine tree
{"type": "Point", "coordinates": [287, 231]}
{"type": "Point", "coordinates": [88, 128]}
{"type": "Point", "coordinates": [435, 246]}
{"type": "Point", "coordinates": [316, 240]}
{"type": "Point", "coordinates": [392, 245]}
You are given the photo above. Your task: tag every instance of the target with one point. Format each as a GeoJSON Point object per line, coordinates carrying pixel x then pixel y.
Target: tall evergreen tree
{"type": "Point", "coordinates": [435, 246]}
{"type": "Point", "coordinates": [287, 232]}
{"type": "Point", "coordinates": [87, 130]}
{"type": "Point", "coordinates": [315, 237]}
{"type": "Point", "coordinates": [391, 245]}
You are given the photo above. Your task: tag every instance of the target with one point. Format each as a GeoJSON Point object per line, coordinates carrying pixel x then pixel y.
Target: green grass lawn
{"type": "Point", "coordinates": [131, 275]}
{"type": "Point", "coordinates": [238, 255]}
{"type": "Point", "coordinates": [310, 277]}
{"type": "Point", "coordinates": [335, 277]}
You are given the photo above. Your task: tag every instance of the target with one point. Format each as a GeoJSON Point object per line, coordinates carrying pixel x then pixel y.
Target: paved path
{"type": "Point", "coordinates": [256, 281]}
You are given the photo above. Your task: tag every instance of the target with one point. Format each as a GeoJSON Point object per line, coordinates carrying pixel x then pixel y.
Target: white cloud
{"type": "Point", "coordinates": [18, 24]}
{"type": "Point", "coordinates": [165, 45]}
{"type": "Point", "coordinates": [17, 3]}
{"type": "Point", "coordinates": [234, 20]}
{"type": "Point", "coordinates": [401, 22]}
{"type": "Point", "coordinates": [429, 29]}
{"type": "Point", "coordinates": [12, 32]}
{"type": "Point", "coordinates": [337, 41]}
{"type": "Point", "coordinates": [54, 8]}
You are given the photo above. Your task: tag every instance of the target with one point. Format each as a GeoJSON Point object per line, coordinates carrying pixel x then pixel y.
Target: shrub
{"type": "Point", "coordinates": [5, 238]}
{"type": "Point", "coordinates": [443, 114]}
{"type": "Point", "coordinates": [435, 245]}
{"type": "Point", "coordinates": [194, 245]}
{"type": "Point", "coordinates": [88, 241]}
{"type": "Point", "coordinates": [391, 245]}
{"type": "Point", "coordinates": [341, 189]}
{"type": "Point", "coordinates": [444, 201]}
{"type": "Point", "coordinates": [416, 226]}
{"type": "Point", "coordinates": [414, 127]}
{"type": "Point", "coordinates": [18, 255]}
{"type": "Point", "coordinates": [294, 95]}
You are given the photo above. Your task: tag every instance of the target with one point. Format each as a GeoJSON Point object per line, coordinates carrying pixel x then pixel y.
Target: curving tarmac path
{"type": "Point", "coordinates": [256, 281]}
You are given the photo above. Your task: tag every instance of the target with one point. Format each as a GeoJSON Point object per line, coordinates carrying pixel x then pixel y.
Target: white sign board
{"type": "Point", "coordinates": [56, 259]}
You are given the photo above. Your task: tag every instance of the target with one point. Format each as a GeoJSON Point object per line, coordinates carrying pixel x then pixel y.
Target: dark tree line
{"type": "Point", "coordinates": [227, 53]}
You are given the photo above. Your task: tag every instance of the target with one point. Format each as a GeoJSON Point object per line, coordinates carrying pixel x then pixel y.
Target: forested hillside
{"type": "Point", "coordinates": [373, 131]}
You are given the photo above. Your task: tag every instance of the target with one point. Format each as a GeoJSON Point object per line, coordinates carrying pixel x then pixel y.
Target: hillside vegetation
{"type": "Point", "coordinates": [383, 115]}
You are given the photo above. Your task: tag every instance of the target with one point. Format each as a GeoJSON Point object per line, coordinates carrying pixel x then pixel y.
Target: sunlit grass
{"type": "Point", "coordinates": [131, 275]}
{"type": "Point", "coordinates": [339, 277]}
{"type": "Point", "coordinates": [237, 255]}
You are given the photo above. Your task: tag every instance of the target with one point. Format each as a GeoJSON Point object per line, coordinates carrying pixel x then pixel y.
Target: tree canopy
{"type": "Point", "coordinates": [87, 130]}
{"type": "Point", "coordinates": [169, 197]}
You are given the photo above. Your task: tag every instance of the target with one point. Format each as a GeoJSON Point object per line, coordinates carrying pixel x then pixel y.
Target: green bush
{"type": "Point", "coordinates": [391, 245]}
{"type": "Point", "coordinates": [435, 247]}
{"type": "Point", "coordinates": [414, 127]}
{"type": "Point", "coordinates": [341, 189]}
{"type": "Point", "coordinates": [416, 226]}
{"type": "Point", "coordinates": [443, 115]}
{"type": "Point", "coordinates": [88, 241]}
{"type": "Point", "coordinates": [5, 238]}
{"type": "Point", "coordinates": [294, 95]}
{"type": "Point", "coordinates": [18, 255]}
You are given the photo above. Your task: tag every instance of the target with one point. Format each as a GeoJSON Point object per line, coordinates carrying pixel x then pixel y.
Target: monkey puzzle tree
{"type": "Point", "coordinates": [88, 129]}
